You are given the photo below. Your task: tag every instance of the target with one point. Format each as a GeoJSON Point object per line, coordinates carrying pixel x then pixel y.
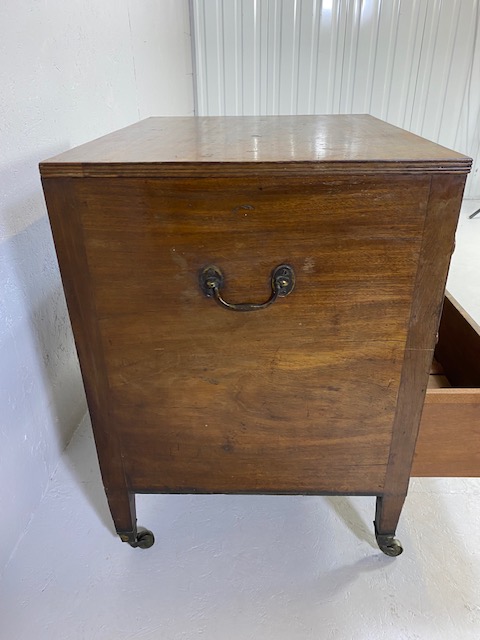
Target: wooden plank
{"type": "Point", "coordinates": [448, 444]}
{"type": "Point", "coordinates": [438, 381]}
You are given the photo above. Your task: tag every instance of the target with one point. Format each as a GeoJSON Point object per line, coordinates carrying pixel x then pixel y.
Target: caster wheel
{"type": "Point", "coordinates": [389, 545]}
{"type": "Point", "coordinates": [145, 538]}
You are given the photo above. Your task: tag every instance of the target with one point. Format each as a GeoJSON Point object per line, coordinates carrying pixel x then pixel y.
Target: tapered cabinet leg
{"type": "Point", "coordinates": [387, 514]}
{"type": "Point", "coordinates": [122, 508]}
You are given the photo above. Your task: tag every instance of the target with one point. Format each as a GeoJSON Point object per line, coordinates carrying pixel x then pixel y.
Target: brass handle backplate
{"type": "Point", "coordinates": [212, 281]}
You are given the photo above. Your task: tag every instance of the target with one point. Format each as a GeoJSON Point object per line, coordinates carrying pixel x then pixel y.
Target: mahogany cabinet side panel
{"type": "Point", "coordinates": [437, 246]}
{"type": "Point", "coordinates": [69, 243]}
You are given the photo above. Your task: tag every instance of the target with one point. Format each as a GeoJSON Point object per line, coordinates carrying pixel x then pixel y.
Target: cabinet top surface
{"type": "Point", "coordinates": [176, 145]}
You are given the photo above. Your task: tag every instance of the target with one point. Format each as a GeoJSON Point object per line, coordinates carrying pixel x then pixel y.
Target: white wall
{"type": "Point", "coordinates": [413, 63]}
{"type": "Point", "coordinates": [69, 72]}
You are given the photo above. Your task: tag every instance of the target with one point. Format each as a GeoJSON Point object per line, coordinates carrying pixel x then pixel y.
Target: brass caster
{"type": "Point", "coordinates": [143, 540]}
{"type": "Point", "coordinates": [389, 545]}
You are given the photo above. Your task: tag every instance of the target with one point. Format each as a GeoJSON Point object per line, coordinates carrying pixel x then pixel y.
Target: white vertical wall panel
{"type": "Point", "coordinates": [414, 63]}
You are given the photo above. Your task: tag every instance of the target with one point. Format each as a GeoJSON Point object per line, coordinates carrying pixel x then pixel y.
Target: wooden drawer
{"type": "Point", "coordinates": [449, 437]}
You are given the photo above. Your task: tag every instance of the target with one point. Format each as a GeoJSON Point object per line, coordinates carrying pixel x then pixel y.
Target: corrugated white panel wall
{"type": "Point", "coordinates": [414, 63]}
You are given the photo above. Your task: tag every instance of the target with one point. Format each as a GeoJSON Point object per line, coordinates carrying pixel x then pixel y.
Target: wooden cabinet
{"type": "Point", "coordinates": [316, 392]}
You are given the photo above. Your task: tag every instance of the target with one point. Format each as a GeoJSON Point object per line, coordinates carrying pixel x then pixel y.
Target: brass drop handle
{"type": "Point", "coordinates": [212, 280]}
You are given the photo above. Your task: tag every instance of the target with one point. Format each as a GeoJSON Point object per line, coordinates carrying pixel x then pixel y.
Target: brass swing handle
{"type": "Point", "coordinates": [212, 280]}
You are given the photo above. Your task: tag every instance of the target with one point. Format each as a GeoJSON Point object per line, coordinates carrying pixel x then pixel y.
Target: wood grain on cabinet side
{"type": "Point", "coordinates": [209, 400]}
{"type": "Point", "coordinates": [68, 236]}
{"type": "Point", "coordinates": [437, 246]}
